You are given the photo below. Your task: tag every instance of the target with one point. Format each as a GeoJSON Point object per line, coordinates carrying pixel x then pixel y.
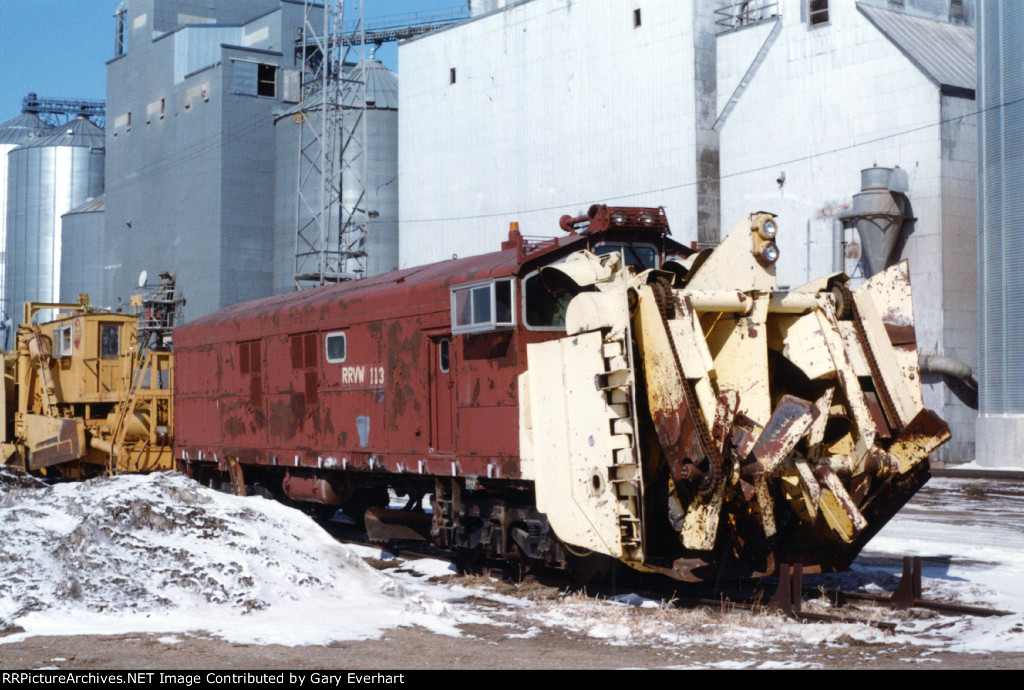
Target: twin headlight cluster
{"type": "Point", "coordinates": [765, 249]}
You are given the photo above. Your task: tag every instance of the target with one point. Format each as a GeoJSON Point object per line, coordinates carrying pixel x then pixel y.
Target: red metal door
{"type": "Point", "coordinates": [442, 395]}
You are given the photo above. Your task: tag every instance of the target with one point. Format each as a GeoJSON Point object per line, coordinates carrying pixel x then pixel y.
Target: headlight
{"type": "Point", "coordinates": [769, 229]}
{"type": "Point", "coordinates": [769, 255]}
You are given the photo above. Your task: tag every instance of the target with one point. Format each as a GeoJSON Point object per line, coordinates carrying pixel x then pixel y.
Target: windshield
{"type": "Point", "coordinates": [638, 257]}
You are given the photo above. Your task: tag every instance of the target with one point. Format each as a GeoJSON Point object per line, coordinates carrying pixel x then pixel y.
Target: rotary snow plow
{"type": "Point", "coordinates": [738, 427]}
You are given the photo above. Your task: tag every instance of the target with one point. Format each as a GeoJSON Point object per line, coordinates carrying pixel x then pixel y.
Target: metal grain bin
{"type": "Point", "coordinates": [381, 181]}
{"type": "Point", "coordinates": [47, 178]}
{"type": "Point", "coordinates": [13, 133]}
{"type": "Point", "coordinates": [82, 258]}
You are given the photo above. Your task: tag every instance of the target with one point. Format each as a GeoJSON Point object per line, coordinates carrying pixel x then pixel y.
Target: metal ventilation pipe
{"type": "Point", "coordinates": [949, 366]}
{"type": "Point", "coordinates": [879, 212]}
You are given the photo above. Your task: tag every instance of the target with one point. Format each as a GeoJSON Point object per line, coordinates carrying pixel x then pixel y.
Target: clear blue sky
{"type": "Point", "coordinates": [59, 48]}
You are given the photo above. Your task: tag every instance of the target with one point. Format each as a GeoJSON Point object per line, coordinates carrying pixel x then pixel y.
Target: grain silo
{"type": "Point", "coordinates": [1000, 235]}
{"type": "Point", "coordinates": [47, 177]}
{"type": "Point", "coordinates": [82, 258]}
{"type": "Point", "coordinates": [381, 176]}
{"type": "Point", "coordinates": [13, 133]}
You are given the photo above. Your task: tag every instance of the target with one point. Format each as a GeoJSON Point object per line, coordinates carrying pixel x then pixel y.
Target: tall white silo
{"type": "Point", "coordinates": [47, 178]}
{"type": "Point", "coordinates": [21, 130]}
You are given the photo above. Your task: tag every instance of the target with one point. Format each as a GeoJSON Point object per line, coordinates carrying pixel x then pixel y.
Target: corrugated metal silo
{"type": "Point", "coordinates": [81, 256]}
{"type": "Point", "coordinates": [47, 178]}
{"type": "Point", "coordinates": [381, 149]}
{"type": "Point", "coordinates": [13, 133]}
{"type": "Point", "coordinates": [1000, 429]}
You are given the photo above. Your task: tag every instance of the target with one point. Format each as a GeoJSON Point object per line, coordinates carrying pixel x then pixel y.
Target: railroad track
{"type": "Point", "coordinates": [788, 596]}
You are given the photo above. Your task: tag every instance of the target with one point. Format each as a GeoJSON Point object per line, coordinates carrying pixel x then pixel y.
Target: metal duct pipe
{"type": "Point", "coordinates": [838, 246]}
{"type": "Point", "coordinates": [938, 364]}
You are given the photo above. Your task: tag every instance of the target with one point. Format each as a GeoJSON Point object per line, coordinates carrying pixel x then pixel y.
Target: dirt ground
{"type": "Point", "coordinates": [483, 647]}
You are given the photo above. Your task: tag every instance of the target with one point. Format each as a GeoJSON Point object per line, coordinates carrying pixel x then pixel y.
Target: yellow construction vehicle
{"type": "Point", "coordinates": [81, 398]}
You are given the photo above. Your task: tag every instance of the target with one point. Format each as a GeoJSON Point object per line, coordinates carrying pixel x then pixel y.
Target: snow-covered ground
{"type": "Point", "coordinates": [160, 554]}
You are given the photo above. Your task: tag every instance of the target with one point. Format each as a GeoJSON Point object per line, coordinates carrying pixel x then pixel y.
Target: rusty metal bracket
{"type": "Point", "coordinates": [788, 597]}
{"type": "Point", "coordinates": [908, 591]}
{"type": "Point", "coordinates": [235, 473]}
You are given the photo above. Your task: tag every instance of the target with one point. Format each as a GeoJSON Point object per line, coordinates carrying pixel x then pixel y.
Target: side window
{"type": "Point", "coordinates": [336, 347]}
{"type": "Point", "coordinates": [444, 355]}
{"type": "Point", "coordinates": [542, 310]}
{"type": "Point", "coordinates": [62, 341]}
{"type": "Point", "coordinates": [484, 306]}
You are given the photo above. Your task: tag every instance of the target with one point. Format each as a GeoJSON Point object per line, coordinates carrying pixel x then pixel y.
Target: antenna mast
{"type": "Point", "coordinates": [331, 218]}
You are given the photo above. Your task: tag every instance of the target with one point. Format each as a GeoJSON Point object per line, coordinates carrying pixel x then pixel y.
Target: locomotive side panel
{"type": "Point", "coordinates": [403, 380]}
{"type": "Point", "coordinates": [292, 396]}
{"type": "Point", "coordinates": [488, 413]}
{"type": "Point", "coordinates": [242, 406]}
{"type": "Point", "coordinates": [196, 399]}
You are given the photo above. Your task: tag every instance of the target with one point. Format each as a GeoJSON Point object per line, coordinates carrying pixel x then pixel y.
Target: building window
{"type": "Point", "coordinates": [451, 76]}
{"type": "Point", "coordinates": [267, 84]}
{"type": "Point", "coordinates": [254, 78]}
{"type": "Point", "coordinates": [636, 17]}
{"type": "Point", "coordinates": [817, 12]}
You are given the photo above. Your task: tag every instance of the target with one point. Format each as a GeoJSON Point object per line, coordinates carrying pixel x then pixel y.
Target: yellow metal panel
{"type": "Point", "coordinates": [572, 445]}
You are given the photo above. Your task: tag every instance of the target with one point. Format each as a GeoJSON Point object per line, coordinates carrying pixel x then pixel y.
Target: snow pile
{"type": "Point", "coordinates": [969, 533]}
{"type": "Point", "coordinates": [161, 553]}
{"type": "Point", "coordinates": [659, 624]}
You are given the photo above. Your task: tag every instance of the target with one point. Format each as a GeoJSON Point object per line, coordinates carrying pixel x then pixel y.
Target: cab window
{"type": "Point", "coordinates": [110, 340]}
{"type": "Point", "coordinates": [542, 310]}
{"type": "Point", "coordinates": [639, 257]}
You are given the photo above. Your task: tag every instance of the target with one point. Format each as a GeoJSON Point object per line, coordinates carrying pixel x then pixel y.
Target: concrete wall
{"type": "Point", "coordinates": [823, 103]}
{"type": "Point", "coordinates": [191, 159]}
{"type": "Point", "coordinates": [555, 105]}
{"type": "Point", "coordinates": [558, 104]}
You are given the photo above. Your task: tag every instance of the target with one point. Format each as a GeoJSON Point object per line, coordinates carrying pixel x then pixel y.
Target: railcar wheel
{"type": "Point", "coordinates": [585, 566]}
{"type": "Point", "coordinates": [469, 561]}
{"type": "Point", "coordinates": [323, 513]}
{"type": "Point", "coordinates": [363, 499]}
